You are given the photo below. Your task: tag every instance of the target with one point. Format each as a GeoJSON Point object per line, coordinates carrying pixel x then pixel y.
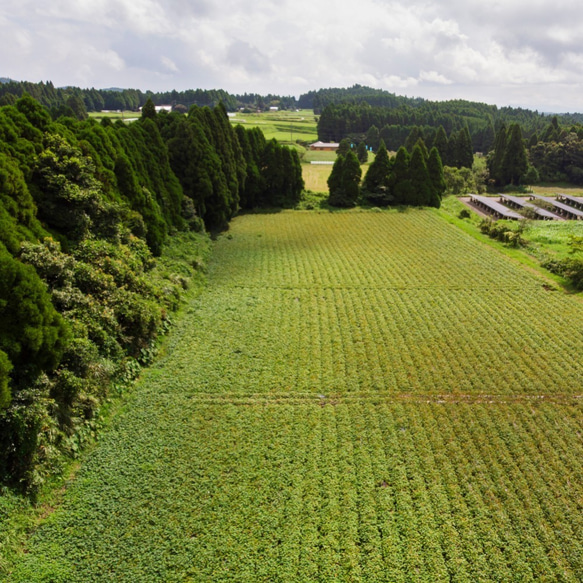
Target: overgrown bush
{"type": "Point", "coordinates": [570, 268]}
{"type": "Point", "coordinates": [501, 232]}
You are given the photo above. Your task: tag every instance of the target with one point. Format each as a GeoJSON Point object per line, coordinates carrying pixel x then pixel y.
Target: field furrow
{"type": "Point", "coordinates": [357, 396]}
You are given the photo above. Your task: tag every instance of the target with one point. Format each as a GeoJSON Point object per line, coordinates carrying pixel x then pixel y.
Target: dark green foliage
{"type": "Point", "coordinates": [17, 209]}
{"type": "Point", "coordinates": [400, 180]}
{"type": "Point", "coordinates": [435, 169]}
{"type": "Point", "coordinates": [558, 161]}
{"type": "Point", "coordinates": [376, 182]}
{"type": "Point", "coordinates": [496, 157]}
{"type": "Point", "coordinates": [252, 144]}
{"type": "Point", "coordinates": [273, 172]}
{"type": "Point", "coordinates": [343, 147]}
{"type": "Point", "coordinates": [149, 110]}
{"type": "Point", "coordinates": [570, 268]}
{"type": "Point", "coordinates": [68, 196]}
{"type": "Point", "coordinates": [32, 334]}
{"type": "Point", "coordinates": [5, 369]}
{"type": "Point", "coordinates": [514, 163]}
{"type": "Point", "coordinates": [362, 153]}
{"type": "Point", "coordinates": [508, 163]}
{"type": "Point", "coordinates": [372, 137]}
{"type": "Point", "coordinates": [344, 181]}
{"type": "Point", "coordinates": [35, 113]}
{"type": "Point", "coordinates": [75, 103]}
{"type": "Point", "coordinates": [199, 170]}
{"type": "Point", "coordinates": [422, 191]}
{"type": "Point", "coordinates": [462, 149]}
{"type": "Point", "coordinates": [414, 136]}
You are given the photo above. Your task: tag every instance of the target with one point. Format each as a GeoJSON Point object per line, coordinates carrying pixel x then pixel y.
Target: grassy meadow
{"type": "Point", "coordinates": [357, 396]}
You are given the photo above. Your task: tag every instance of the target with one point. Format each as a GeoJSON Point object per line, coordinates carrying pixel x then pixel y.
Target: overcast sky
{"type": "Point", "coordinates": [509, 52]}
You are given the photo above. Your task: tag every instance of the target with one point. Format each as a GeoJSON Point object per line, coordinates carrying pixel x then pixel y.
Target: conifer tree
{"type": "Point", "coordinates": [149, 110]}
{"type": "Point", "coordinates": [344, 181]}
{"type": "Point", "coordinates": [464, 153]}
{"type": "Point", "coordinates": [376, 182]}
{"type": "Point", "coordinates": [421, 193]}
{"type": "Point", "coordinates": [399, 179]}
{"type": "Point", "coordinates": [335, 179]}
{"type": "Point", "coordinates": [362, 152]}
{"type": "Point", "coordinates": [514, 162]}
{"type": "Point", "coordinates": [373, 137]}
{"type": "Point", "coordinates": [435, 169]}
{"type": "Point", "coordinates": [441, 143]}
{"type": "Point", "coordinates": [343, 147]}
{"type": "Point", "coordinates": [414, 136]}
{"type": "Point", "coordinates": [496, 157]}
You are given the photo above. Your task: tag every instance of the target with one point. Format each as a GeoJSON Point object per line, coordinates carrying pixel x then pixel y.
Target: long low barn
{"type": "Point", "coordinates": [561, 209]}
{"type": "Point", "coordinates": [518, 202]}
{"type": "Point", "coordinates": [494, 208]}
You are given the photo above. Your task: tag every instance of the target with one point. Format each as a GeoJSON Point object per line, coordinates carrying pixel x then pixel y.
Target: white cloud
{"type": "Point", "coordinates": [505, 51]}
{"type": "Point", "coordinates": [169, 64]}
{"type": "Point", "coordinates": [434, 77]}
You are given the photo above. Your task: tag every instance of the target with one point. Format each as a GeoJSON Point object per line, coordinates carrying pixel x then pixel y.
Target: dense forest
{"type": "Point", "coordinates": [86, 209]}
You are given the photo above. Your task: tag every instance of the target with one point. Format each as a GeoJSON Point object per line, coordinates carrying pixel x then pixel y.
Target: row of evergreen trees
{"type": "Point", "coordinates": [414, 179]}
{"type": "Point", "coordinates": [85, 208]}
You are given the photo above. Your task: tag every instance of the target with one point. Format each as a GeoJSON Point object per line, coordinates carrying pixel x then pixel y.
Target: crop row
{"type": "Point", "coordinates": [416, 249]}
{"type": "Point", "coordinates": [356, 397]}
{"type": "Point", "coordinates": [372, 340]}
{"type": "Point", "coordinates": [351, 491]}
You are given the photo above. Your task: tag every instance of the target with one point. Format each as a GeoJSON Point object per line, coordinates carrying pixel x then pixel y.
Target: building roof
{"type": "Point", "coordinates": [324, 145]}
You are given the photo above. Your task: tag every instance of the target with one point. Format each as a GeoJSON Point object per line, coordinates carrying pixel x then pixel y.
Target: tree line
{"type": "Point", "coordinates": [77, 102]}
{"type": "Point", "coordinates": [86, 209]}
{"type": "Point", "coordinates": [409, 178]}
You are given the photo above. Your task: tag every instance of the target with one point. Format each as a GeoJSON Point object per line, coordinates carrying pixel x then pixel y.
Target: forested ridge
{"type": "Point", "coordinates": [86, 211]}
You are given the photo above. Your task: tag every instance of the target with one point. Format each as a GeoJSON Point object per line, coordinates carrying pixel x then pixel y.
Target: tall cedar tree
{"type": "Point", "coordinates": [440, 142]}
{"type": "Point", "coordinates": [343, 147]}
{"type": "Point", "coordinates": [496, 157]}
{"type": "Point", "coordinates": [422, 191]}
{"type": "Point", "coordinates": [373, 137]}
{"type": "Point", "coordinates": [514, 162]}
{"type": "Point", "coordinates": [399, 179]}
{"type": "Point", "coordinates": [464, 153]}
{"type": "Point", "coordinates": [435, 169]}
{"type": "Point", "coordinates": [149, 110]}
{"type": "Point", "coordinates": [414, 136]}
{"type": "Point", "coordinates": [362, 153]}
{"type": "Point", "coordinates": [344, 181]}
{"type": "Point", "coordinates": [376, 182]}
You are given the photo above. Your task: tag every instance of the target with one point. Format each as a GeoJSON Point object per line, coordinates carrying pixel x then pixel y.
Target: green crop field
{"type": "Point", "coordinates": [284, 126]}
{"type": "Point", "coordinates": [357, 396]}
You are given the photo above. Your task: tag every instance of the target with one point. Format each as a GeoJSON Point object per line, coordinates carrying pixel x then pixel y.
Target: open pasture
{"type": "Point", "coordinates": [358, 396]}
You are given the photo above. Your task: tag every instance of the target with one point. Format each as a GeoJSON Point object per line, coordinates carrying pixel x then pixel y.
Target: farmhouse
{"type": "Point", "coordinates": [324, 146]}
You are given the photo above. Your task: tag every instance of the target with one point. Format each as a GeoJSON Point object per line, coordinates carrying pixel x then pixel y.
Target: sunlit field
{"type": "Point", "coordinates": [357, 396]}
